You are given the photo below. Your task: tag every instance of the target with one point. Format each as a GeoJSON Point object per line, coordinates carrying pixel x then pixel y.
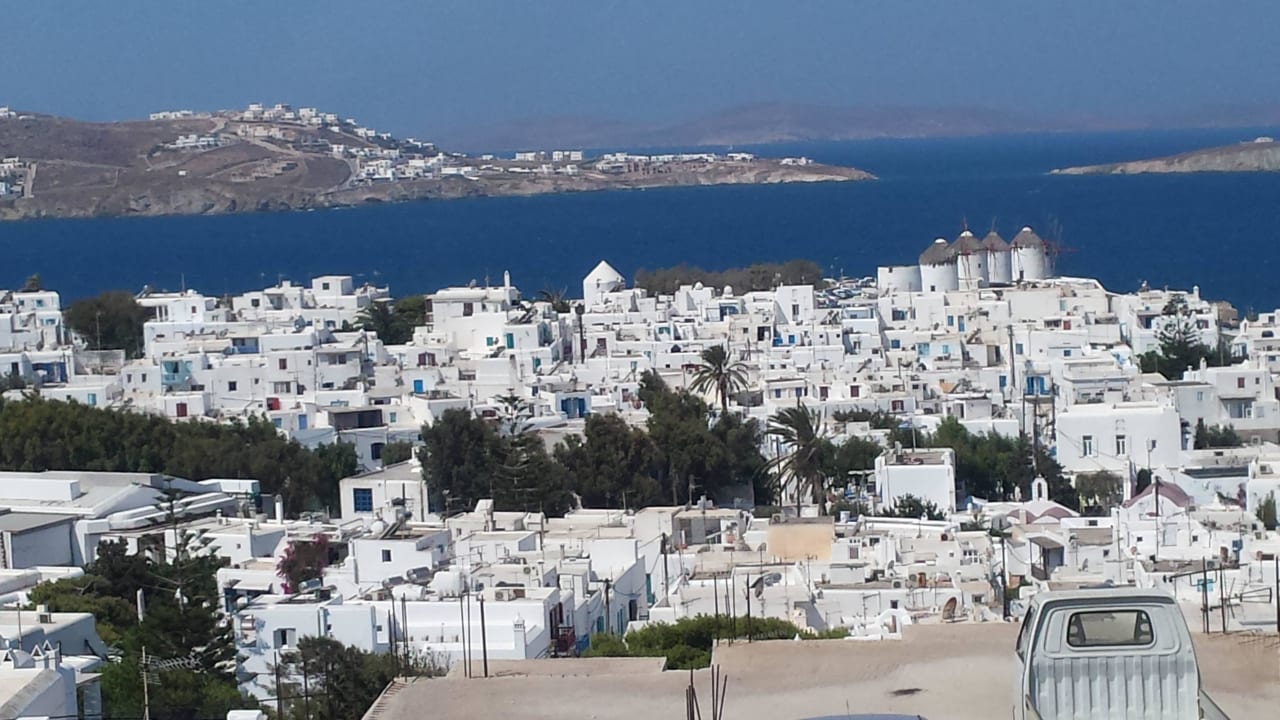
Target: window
{"type": "Point", "coordinates": [897, 406]}
{"type": "Point", "coordinates": [1122, 445]}
{"type": "Point", "coordinates": [375, 450]}
{"type": "Point", "coordinates": [468, 309]}
{"type": "Point", "coordinates": [283, 363]}
{"type": "Point", "coordinates": [1107, 628]}
{"type": "Point", "coordinates": [391, 418]}
{"type": "Point", "coordinates": [1086, 446]}
{"type": "Point", "coordinates": [324, 286]}
{"type": "Point", "coordinates": [231, 386]}
{"type": "Point", "coordinates": [280, 388]}
{"type": "Point", "coordinates": [951, 320]}
{"type": "Point", "coordinates": [795, 309]}
{"type": "Point", "coordinates": [362, 499]}
{"type": "Point", "coordinates": [285, 637]}
{"type": "Point", "coordinates": [1240, 383]}
{"type": "Point", "coordinates": [386, 555]}
{"type": "Point", "coordinates": [1017, 349]}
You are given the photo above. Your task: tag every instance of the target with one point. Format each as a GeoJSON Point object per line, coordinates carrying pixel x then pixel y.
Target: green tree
{"type": "Point", "coordinates": [396, 452]}
{"type": "Point", "coordinates": [460, 458]}
{"type": "Point", "coordinates": [112, 320]}
{"type": "Point", "coordinates": [1266, 512]}
{"type": "Point", "coordinates": [910, 506]}
{"type": "Point", "coordinates": [393, 321]}
{"type": "Point", "coordinates": [1180, 345]}
{"type": "Point", "coordinates": [852, 459]}
{"type": "Point", "coordinates": [411, 312]}
{"type": "Point", "coordinates": [1099, 491]}
{"type": "Point", "coordinates": [807, 450]}
{"type": "Point", "coordinates": [611, 464]}
{"type": "Point", "coordinates": [687, 643]}
{"type": "Point", "coordinates": [718, 374]}
{"type": "Point", "coordinates": [760, 276]}
{"type": "Point", "coordinates": [341, 681]}
{"type": "Point", "coordinates": [1141, 481]}
{"type": "Point", "coordinates": [181, 621]}
{"type": "Point", "coordinates": [557, 299]}
{"type": "Point", "coordinates": [1216, 436]}
{"type": "Point", "coordinates": [529, 479]}
{"type": "Point", "coordinates": [38, 434]}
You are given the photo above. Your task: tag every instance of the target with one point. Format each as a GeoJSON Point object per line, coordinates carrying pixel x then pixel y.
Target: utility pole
{"type": "Point", "coordinates": [666, 571]}
{"type": "Point", "coordinates": [1276, 560]}
{"type": "Point", "coordinates": [279, 695]}
{"type": "Point", "coordinates": [462, 629]}
{"type": "Point", "coordinates": [484, 641]}
{"type": "Point", "coordinates": [1204, 592]}
{"type": "Point", "coordinates": [146, 681]}
{"type": "Point", "coordinates": [748, 588]}
{"type": "Point", "coordinates": [608, 619]}
{"type": "Point", "coordinates": [715, 596]}
{"type": "Point", "coordinates": [306, 691]}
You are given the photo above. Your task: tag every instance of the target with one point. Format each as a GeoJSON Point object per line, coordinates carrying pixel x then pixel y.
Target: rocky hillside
{"type": "Point", "coordinates": [54, 167]}
{"type": "Point", "coordinates": [1261, 155]}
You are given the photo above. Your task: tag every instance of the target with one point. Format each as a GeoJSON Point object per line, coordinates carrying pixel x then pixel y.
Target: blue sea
{"type": "Point", "coordinates": [1217, 231]}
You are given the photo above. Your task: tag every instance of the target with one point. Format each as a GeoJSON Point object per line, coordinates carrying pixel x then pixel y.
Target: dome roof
{"type": "Point", "coordinates": [604, 273]}
{"type": "Point", "coordinates": [939, 253]}
{"type": "Point", "coordinates": [994, 242]}
{"type": "Point", "coordinates": [966, 243]}
{"type": "Point", "coordinates": [1027, 238]}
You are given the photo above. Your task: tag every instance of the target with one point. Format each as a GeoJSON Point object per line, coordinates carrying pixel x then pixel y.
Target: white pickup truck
{"type": "Point", "coordinates": [1108, 654]}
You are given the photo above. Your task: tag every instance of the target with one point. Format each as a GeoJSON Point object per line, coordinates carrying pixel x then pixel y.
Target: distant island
{"type": "Point", "coordinates": [280, 158]}
{"type": "Point", "coordinates": [1259, 155]}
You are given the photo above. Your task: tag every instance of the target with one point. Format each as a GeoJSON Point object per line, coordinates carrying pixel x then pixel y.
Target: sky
{"type": "Point", "coordinates": [415, 66]}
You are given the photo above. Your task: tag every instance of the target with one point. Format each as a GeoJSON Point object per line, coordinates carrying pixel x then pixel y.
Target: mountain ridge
{"type": "Point", "coordinates": [767, 123]}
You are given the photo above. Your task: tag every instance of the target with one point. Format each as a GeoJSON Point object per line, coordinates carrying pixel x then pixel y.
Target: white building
{"type": "Point", "coordinates": [929, 475]}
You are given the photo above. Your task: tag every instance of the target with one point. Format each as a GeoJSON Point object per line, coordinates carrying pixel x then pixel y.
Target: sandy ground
{"type": "Point", "coordinates": [954, 672]}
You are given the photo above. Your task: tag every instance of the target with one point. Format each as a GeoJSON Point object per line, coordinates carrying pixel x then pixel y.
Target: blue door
{"type": "Point", "coordinates": [418, 387]}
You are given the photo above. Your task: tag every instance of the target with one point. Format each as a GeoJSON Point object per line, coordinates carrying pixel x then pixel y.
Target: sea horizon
{"type": "Point", "coordinates": [1166, 230]}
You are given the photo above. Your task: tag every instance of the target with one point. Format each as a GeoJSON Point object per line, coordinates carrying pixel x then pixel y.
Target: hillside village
{"type": "Point", "coordinates": [277, 157]}
{"type": "Point", "coordinates": [980, 333]}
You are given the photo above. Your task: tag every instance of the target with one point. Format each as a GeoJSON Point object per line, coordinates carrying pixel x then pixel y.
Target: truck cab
{"type": "Point", "coordinates": [1108, 654]}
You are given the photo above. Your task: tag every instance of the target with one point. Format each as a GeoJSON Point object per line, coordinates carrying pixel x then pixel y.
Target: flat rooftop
{"type": "Point", "coordinates": [949, 672]}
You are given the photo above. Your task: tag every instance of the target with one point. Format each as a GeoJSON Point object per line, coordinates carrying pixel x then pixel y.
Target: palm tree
{"type": "Point", "coordinates": [558, 299]}
{"type": "Point", "coordinates": [800, 429]}
{"type": "Point", "coordinates": [382, 319]}
{"type": "Point", "coordinates": [717, 374]}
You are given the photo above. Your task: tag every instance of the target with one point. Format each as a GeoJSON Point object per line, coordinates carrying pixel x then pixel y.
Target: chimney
{"type": "Point", "coordinates": [279, 508]}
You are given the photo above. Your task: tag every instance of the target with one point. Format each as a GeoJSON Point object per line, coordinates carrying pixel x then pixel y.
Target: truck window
{"type": "Point", "coordinates": [1024, 635]}
{"type": "Point", "coordinates": [1109, 628]}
